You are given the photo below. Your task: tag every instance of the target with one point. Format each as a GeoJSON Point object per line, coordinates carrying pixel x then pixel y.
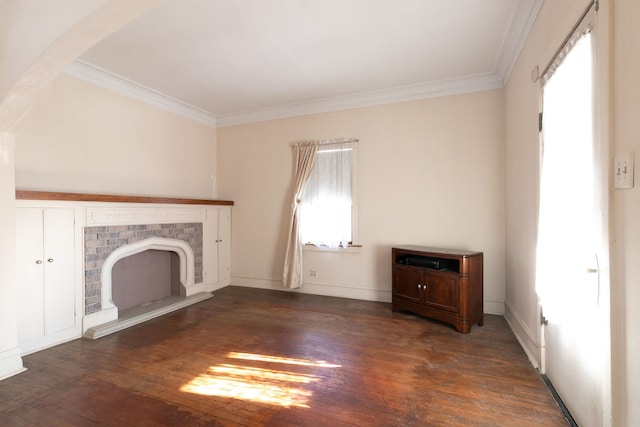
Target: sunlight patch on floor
{"type": "Point", "coordinates": [260, 385]}
{"type": "Point", "coordinates": [277, 359]}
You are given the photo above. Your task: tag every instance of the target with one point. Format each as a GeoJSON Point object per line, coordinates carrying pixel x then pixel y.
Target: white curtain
{"type": "Point", "coordinates": [305, 155]}
{"type": "Point", "coordinates": [327, 202]}
{"type": "Point", "coordinates": [566, 183]}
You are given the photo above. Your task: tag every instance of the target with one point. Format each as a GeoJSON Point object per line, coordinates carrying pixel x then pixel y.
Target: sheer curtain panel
{"type": "Point", "coordinates": [327, 202]}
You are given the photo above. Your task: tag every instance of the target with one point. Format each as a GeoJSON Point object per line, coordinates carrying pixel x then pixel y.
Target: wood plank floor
{"type": "Point", "coordinates": [250, 357]}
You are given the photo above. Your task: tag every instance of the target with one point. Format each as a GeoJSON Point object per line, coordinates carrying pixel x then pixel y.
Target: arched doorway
{"type": "Point", "coordinates": [37, 48]}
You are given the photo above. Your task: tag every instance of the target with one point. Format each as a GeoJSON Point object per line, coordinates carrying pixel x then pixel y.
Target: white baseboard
{"type": "Point", "coordinates": [337, 290]}
{"type": "Point", "coordinates": [11, 363]}
{"type": "Point", "coordinates": [210, 287]}
{"type": "Point", "coordinates": [325, 289]}
{"type": "Point", "coordinates": [525, 337]}
{"type": "Point", "coordinates": [51, 340]}
{"type": "Point", "coordinates": [99, 318]}
{"type": "Point", "coordinates": [493, 307]}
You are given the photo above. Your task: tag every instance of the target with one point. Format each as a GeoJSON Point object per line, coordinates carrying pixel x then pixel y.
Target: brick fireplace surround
{"type": "Point", "coordinates": [101, 241]}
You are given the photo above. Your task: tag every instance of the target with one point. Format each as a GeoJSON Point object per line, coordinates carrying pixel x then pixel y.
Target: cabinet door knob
{"type": "Point", "coordinates": [419, 286]}
{"type": "Point", "coordinates": [49, 259]}
{"type": "Point", "coordinates": [38, 261]}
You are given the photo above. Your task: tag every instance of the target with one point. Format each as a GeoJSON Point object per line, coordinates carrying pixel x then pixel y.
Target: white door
{"type": "Point", "coordinates": [575, 339]}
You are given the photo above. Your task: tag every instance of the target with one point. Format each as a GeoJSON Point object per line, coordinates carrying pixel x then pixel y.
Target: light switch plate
{"type": "Point", "coordinates": [623, 170]}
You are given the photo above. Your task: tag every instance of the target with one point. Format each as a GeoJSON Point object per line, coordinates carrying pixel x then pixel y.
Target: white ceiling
{"type": "Point", "coordinates": [242, 60]}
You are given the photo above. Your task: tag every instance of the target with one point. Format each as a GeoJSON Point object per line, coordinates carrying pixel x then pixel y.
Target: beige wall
{"type": "Point", "coordinates": [430, 172]}
{"type": "Point", "coordinates": [626, 298]}
{"type": "Point", "coordinates": [82, 138]}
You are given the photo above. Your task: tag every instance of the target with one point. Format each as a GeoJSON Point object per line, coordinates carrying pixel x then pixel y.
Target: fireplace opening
{"type": "Point", "coordinates": [146, 277]}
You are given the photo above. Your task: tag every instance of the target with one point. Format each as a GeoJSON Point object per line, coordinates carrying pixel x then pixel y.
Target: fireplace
{"type": "Point", "coordinates": [105, 246]}
{"type": "Point", "coordinates": [110, 227]}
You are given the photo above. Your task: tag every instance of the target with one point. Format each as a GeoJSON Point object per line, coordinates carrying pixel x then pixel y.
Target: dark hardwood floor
{"type": "Point", "coordinates": [250, 357]}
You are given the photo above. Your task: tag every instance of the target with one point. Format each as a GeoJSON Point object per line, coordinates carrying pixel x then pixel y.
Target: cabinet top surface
{"type": "Point", "coordinates": [437, 251]}
{"type": "Point", "coordinates": [83, 197]}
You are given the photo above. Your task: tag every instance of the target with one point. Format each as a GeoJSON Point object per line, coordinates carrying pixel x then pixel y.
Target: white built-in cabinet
{"type": "Point", "coordinates": [217, 247]}
{"type": "Point", "coordinates": [48, 311]}
{"type": "Point", "coordinates": [50, 259]}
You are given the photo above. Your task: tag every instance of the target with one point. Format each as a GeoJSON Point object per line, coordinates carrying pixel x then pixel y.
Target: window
{"type": "Point", "coordinates": [327, 207]}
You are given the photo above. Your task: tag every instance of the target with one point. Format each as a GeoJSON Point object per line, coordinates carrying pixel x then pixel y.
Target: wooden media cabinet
{"type": "Point", "coordinates": [442, 284]}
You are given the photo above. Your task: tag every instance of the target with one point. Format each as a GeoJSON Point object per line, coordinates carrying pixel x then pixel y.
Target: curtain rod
{"type": "Point", "coordinates": [324, 141]}
{"type": "Point", "coordinates": [570, 36]}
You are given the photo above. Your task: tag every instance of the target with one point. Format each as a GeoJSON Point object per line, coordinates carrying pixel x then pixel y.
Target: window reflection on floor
{"type": "Point", "coordinates": [271, 386]}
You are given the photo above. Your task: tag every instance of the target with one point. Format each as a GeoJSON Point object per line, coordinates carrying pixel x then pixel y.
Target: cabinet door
{"type": "Point", "coordinates": [59, 266]}
{"type": "Point", "coordinates": [442, 291]}
{"type": "Point", "coordinates": [405, 283]}
{"type": "Point", "coordinates": [217, 246]}
{"type": "Point", "coordinates": [30, 273]}
{"type": "Point", "coordinates": [210, 249]}
{"type": "Point", "coordinates": [224, 246]}
{"type": "Point", "coordinates": [45, 272]}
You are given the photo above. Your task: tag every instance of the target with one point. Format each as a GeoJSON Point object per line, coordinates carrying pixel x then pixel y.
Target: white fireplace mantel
{"type": "Point", "coordinates": [104, 210]}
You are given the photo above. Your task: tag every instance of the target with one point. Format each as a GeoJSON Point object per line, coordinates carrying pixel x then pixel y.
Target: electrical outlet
{"type": "Point", "coordinates": [313, 273]}
{"type": "Point", "coordinates": [623, 170]}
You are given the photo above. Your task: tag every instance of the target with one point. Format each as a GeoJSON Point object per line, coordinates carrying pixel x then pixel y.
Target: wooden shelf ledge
{"type": "Point", "coordinates": [108, 198]}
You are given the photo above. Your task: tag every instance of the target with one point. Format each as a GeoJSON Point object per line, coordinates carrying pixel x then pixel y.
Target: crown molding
{"type": "Point", "coordinates": [110, 81]}
{"type": "Point", "coordinates": [100, 77]}
{"type": "Point", "coordinates": [366, 99]}
{"type": "Point", "coordinates": [517, 34]}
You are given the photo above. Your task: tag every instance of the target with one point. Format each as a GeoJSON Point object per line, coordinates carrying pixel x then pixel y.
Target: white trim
{"type": "Point", "coordinates": [325, 289]}
{"type": "Point", "coordinates": [105, 315]}
{"type": "Point", "coordinates": [524, 336]}
{"type": "Point", "coordinates": [138, 315]}
{"type": "Point", "coordinates": [128, 214]}
{"type": "Point", "coordinates": [10, 363]}
{"type": "Point", "coordinates": [105, 79]}
{"type": "Point", "coordinates": [367, 99]}
{"type": "Point", "coordinates": [493, 307]}
{"type": "Point", "coordinates": [180, 247]}
{"type": "Point", "coordinates": [339, 290]}
{"type": "Point", "coordinates": [111, 81]}
{"type": "Point", "coordinates": [517, 34]}
{"type": "Point", "coordinates": [109, 311]}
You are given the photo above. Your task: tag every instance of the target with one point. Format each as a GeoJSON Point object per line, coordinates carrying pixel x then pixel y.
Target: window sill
{"type": "Point", "coordinates": [351, 249]}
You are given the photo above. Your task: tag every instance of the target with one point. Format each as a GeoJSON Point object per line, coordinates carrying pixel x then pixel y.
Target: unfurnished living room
{"type": "Point", "coordinates": [304, 213]}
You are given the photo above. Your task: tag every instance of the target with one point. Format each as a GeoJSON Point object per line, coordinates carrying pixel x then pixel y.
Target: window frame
{"type": "Point", "coordinates": [354, 245]}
